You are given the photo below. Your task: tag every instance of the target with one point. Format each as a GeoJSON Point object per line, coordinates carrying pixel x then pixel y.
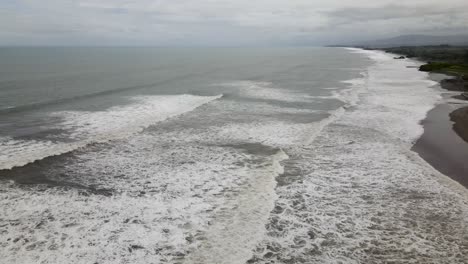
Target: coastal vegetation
{"type": "Point", "coordinates": [450, 60]}
{"type": "Point", "coordinates": [441, 53]}
{"type": "Point", "coordinates": [455, 69]}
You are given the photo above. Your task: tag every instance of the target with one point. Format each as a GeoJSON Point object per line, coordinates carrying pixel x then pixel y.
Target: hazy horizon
{"type": "Point", "coordinates": [222, 23]}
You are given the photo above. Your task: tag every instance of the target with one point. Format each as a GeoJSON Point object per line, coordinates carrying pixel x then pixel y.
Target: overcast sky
{"type": "Point", "coordinates": [223, 22]}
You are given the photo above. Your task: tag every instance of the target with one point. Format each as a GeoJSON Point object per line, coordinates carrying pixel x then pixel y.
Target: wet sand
{"type": "Point", "coordinates": [453, 84]}
{"type": "Point", "coordinates": [442, 145]}
{"type": "Point", "coordinates": [460, 119]}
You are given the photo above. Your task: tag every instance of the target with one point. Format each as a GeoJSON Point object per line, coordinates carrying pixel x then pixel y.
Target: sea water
{"type": "Point", "coordinates": [226, 155]}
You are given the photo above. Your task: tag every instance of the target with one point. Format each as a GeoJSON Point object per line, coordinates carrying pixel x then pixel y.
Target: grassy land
{"type": "Point", "coordinates": [452, 60]}
{"type": "Point", "coordinates": [446, 67]}
{"type": "Point", "coordinates": [443, 53]}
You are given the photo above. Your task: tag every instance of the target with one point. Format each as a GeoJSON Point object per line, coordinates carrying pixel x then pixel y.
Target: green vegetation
{"type": "Point", "coordinates": [442, 53]}
{"type": "Point", "coordinates": [446, 67]}
{"type": "Point", "coordinates": [450, 60]}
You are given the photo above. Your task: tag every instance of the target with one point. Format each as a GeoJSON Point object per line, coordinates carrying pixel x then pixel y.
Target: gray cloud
{"type": "Point", "coordinates": [360, 14]}
{"type": "Point", "coordinates": [221, 22]}
{"type": "Point", "coordinates": [355, 23]}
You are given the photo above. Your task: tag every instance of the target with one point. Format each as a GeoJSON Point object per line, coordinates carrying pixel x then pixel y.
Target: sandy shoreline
{"type": "Point", "coordinates": [460, 117]}
{"type": "Point", "coordinates": [444, 143]}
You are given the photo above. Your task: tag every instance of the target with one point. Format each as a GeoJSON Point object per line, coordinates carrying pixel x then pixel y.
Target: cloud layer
{"type": "Point", "coordinates": [222, 22]}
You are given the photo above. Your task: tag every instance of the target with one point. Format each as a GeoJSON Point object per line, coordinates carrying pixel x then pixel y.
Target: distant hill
{"type": "Point", "coordinates": [416, 40]}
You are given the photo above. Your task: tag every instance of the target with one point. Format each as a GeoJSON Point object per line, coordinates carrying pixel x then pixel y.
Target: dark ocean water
{"type": "Point", "coordinates": [42, 88]}
{"type": "Point", "coordinates": [145, 155]}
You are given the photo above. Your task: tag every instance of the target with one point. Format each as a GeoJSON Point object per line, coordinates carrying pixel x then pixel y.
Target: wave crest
{"type": "Point", "coordinates": [96, 127]}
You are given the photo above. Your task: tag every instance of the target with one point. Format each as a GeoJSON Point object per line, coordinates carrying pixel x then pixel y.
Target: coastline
{"type": "Point", "coordinates": [444, 143]}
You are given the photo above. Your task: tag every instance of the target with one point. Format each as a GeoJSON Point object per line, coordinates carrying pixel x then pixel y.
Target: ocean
{"type": "Point", "coordinates": [220, 155]}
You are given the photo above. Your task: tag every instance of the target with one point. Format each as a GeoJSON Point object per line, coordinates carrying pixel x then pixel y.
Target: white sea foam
{"type": "Point", "coordinates": [396, 98]}
{"type": "Point", "coordinates": [92, 127]}
{"type": "Point", "coordinates": [277, 134]}
{"type": "Point", "coordinates": [121, 121]}
{"type": "Point", "coordinates": [358, 194]}
{"type": "Point", "coordinates": [201, 188]}
{"type": "Point", "coordinates": [16, 153]}
{"type": "Point", "coordinates": [172, 201]}
{"type": "Point", "coordinates": [173, 191]}
{"type": "Point", "coordinates": [267, 91]}
{"type": "Point", "coordinates": [241, 225]}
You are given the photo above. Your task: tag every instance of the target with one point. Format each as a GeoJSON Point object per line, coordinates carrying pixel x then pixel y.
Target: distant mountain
{"type": "Point", "coordinates": [416, 40]}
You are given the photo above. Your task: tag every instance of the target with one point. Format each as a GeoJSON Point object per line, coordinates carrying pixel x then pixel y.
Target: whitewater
{"type": "Point", "coordinates": [246, 171]}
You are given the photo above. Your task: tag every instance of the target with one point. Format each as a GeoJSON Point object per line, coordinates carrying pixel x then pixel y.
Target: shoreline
{"type": "Point", "coordinates": [444, 143]}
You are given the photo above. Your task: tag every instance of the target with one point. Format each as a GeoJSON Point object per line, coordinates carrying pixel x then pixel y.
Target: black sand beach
{"type": "Point", "coordinates": [460, 119]}
{"type": "Point", "coordinates": [444, 143]}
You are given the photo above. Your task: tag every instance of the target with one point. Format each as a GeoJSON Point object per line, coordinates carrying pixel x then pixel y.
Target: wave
{"type": "Point", "coordinates": [237, 230]}
{"type": "Point", "coordinates": [218, 204]}
{"type": "Point", "coordinates": [359, 178]}
{"type": "Point", "coordinates": [397, 98]}
{"type": "Point", "coordinates": [267, 91]}
{"type": "Point", "coordinates": [101, 126]}
{"type": "Point", "coordinates": [58, 101]}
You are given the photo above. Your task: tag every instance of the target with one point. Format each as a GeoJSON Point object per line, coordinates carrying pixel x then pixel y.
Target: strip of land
{"type": "Point", "coordinates": [439, 145]}
{"type": "Point", "coordinates": [449, 60]}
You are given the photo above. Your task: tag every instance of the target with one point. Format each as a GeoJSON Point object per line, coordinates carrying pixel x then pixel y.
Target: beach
{"type": "Point", "coordinates": [460, 119]}
{"type": "Point", "coordinates": [444, 141]}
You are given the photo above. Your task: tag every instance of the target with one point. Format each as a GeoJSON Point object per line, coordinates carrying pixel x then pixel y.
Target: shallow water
{"type": "Point", "coordinates": [297, 155]}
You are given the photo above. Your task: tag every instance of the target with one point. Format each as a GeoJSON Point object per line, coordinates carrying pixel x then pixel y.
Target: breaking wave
{"type": "Point", "coordinates": [94, 127]}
